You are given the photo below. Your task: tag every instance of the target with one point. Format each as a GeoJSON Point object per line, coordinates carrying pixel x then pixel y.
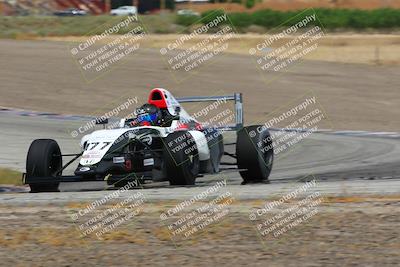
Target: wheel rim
{"type": "Point", "coordinates": [54, 164]}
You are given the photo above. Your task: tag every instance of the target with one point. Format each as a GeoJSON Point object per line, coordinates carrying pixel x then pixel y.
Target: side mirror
{"type": "Point", "coordinates": [100, 121]}
{"type": "Point", "coordinates": [177, 110]}
{"type": "Point", "coordinates": [122, 123]}
{"type": "Point", "coordinates": [103, 121]}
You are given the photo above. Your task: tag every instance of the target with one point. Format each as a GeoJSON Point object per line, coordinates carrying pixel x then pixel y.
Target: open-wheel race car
{"type": "Point", "coordinates": [162, 142]}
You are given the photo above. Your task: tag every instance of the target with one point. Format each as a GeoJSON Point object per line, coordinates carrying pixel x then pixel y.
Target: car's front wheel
{"type": "Point", "coordinates": [43, 161]}
{"type": "Point", "coordinates": [181, 158]}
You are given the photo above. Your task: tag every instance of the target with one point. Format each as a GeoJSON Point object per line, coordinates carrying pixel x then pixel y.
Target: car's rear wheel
{"type": "Point", "coordinates": [181, 158]}
{"type": "Point", "coordinates": [43, 161]}
{"type": "Point", "coordinates": [255, 153]}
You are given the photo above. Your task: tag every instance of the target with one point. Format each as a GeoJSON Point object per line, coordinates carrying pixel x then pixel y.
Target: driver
{"type": "Point", "coordinates": [147, 115]}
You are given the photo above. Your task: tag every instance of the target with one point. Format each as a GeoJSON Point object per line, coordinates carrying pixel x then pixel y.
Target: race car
{"type": "Point", "coordinates": [162, 142]}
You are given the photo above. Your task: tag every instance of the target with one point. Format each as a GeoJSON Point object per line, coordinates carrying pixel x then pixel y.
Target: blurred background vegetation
{"type": "Point", "coordinates": [16, 27]}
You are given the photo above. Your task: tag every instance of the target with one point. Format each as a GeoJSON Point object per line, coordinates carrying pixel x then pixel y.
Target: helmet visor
{"type": "Point", "coordinates": [147, 118]}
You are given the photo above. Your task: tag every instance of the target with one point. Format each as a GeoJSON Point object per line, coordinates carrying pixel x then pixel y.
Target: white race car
{"type": "Point", "coordinates": [162, 143]}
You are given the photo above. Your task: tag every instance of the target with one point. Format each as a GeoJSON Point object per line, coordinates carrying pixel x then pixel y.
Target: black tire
{"type": "Point", "coordinates": [181, 158]}
{"type": "Point", "coordinates": [43, 160]}
{"type": "Point", "coordinates": [254, 153]}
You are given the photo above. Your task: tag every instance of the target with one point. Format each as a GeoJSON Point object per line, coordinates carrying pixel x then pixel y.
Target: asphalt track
{"type": "Point", "coordinates": [332, 159]}
{"type": "Point", "coordinates": [40, 75]}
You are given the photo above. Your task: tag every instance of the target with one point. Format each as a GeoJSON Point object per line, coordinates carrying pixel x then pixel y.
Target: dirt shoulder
{"type": "Point", "coordinates": [41, 75]}
{"type": "Point", "coordinates": [344, 232]}
{"type": "Point", "coordinates": [382, 49]}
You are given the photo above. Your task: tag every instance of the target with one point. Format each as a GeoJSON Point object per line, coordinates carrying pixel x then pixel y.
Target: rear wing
{"type": "Point", "coordinates": [236, 97]}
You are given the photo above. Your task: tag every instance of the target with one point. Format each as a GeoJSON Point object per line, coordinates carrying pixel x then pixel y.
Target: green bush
{"type": "Point", "coordinates": [332, 18]}
{"type": "Point", "coordinates": [210, 15]}
{"type": "Point", "coordinates": [186, 20]}
{"type": "Point", "coordinates": [329, 18]}
{"type": "Point", "coordinates": [269, 18]}
{"type": "Point", "coordinates": [241, 19]}
{"type": "Point", "coordinates": [385, 18]}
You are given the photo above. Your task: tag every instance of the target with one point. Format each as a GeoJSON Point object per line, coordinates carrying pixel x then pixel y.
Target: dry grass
{"type": "Point", "coordinates": [162, 234]}
{"type": "Point", "coordinates": [133, 237]}
{"type": "Point", "coordinates": [10, 177]}
{"type": "Point", "coordinates": [380, 49]}
{"type": "Point", "coordinates": [361, 48]}
{"type": "Point", "coordinates": [359, 199]}
{"type": "Point", "coordinates": [66, 237]}
{"type": "Point", "coordinates": [43, 236]}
